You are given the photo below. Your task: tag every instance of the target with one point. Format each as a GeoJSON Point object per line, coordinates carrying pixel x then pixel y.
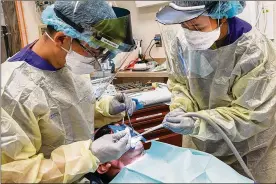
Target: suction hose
{"type": "Point", "coordinates": [226, 139]}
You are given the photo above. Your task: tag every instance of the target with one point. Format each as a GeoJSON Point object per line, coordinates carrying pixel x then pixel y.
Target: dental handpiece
{"type": "Point", "coordinates": [152, 129]}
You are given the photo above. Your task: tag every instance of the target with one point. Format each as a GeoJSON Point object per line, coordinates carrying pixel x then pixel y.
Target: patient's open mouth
{"type": "Point", "coordinates": [138, 151]}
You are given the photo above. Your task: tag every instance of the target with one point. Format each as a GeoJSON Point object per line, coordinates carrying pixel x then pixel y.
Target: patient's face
{"type": "Point", "coordinates": [114, 167]}
{"type": "Point", "coordinates": [131, 154]}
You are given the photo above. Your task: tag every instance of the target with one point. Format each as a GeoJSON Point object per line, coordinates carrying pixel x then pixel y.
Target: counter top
{"type": "Point", "coordinates": [142, 74]}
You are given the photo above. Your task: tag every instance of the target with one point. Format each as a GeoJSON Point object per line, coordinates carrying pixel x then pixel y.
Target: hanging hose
{"type": "Point", "coordinates": [226, 139]}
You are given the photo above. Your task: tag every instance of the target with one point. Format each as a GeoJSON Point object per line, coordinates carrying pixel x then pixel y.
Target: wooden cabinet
{"type": "Point", "coordinates": [152, 116]}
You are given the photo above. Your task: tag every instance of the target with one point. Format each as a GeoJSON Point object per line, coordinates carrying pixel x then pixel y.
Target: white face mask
{"type": "Point", "coordinates": [77, 63]}
{"type": "Point", "coordinates": [197, 40]}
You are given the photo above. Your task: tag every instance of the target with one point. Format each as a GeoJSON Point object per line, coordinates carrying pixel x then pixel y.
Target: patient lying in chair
{"type": "Point", "coordinates": [164, 163]}
{"type": "Point", "coordinates": [107, 171]}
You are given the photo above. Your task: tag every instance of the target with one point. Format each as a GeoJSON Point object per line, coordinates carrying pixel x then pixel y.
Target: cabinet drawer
{"type": "Point", "coordinates": [146, 119]}
{"type": "Point", "coordinates": [146, 124]}
{"type": "Point", "coordinates": [157, 133]}
{"type": "Point", "coordinates": [150, 110]}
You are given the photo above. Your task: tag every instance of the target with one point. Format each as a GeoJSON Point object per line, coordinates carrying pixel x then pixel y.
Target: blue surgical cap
{"type": "Point", "coordinates": [82, 13]}
{"type": "Point", "coordinates": [216, 9]}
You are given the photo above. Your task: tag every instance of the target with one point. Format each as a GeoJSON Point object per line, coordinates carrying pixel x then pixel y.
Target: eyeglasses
{"type": "Point", "coordinates": [100, 54]}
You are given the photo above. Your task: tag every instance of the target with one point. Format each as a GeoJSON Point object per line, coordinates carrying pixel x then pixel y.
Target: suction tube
{"type": "Point", "coordinates": [226, 139]}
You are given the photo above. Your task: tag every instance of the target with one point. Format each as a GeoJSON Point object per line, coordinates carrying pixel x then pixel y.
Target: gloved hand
{"type": "Point", "coordinates": [176, 122]}
{"type": "Point", "coordinates": [120, 103]}
{"type": "Point", "coordinates": [111, 146]}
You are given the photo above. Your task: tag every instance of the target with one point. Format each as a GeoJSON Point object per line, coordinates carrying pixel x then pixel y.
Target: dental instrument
{"type": "Point", "coordinates": [152, 129]}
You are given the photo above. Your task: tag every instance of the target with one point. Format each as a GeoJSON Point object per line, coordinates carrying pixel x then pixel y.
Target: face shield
{"type": "Point", "coordinates": [189, 34]}
{"type": "Point", "coordinates": [109, 40]}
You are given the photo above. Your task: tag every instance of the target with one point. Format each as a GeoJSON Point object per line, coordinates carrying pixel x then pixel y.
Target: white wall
{"type": "Point", "coordinates": [144, 25]}
{"type": "Point", "coordinates": [143, 22]}
{"type": "Point", "coordinates": [267, 19]}
{"type": "Point", "coordinates": [2, 16]}
{"type": "Point", "coordinates": [32, 20]}
{"type": "Point", "coordinates": [252, 12]}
